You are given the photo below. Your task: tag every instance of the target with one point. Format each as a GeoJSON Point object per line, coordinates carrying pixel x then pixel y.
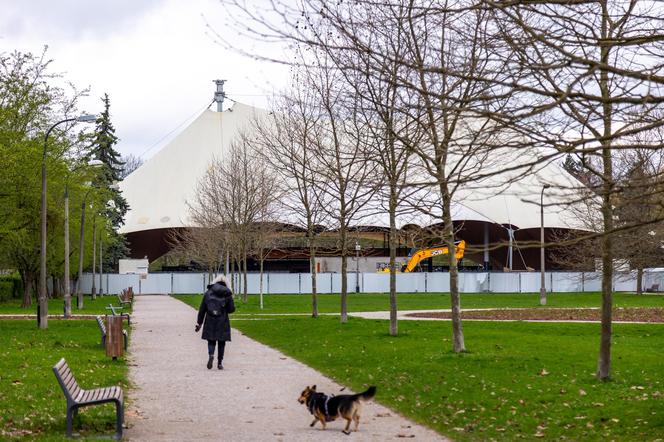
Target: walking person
{"type": "Point", "coordinates": [213, 314]}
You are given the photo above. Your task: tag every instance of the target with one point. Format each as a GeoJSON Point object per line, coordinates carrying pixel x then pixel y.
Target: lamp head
{"type": "Point", "coordinates": [546, 186]}
{"type": "Point", "coordinates": [86, 118]}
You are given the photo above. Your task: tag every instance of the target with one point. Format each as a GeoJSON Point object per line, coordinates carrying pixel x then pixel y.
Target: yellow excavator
{"type": "Point", "coordinates": [428, 252]}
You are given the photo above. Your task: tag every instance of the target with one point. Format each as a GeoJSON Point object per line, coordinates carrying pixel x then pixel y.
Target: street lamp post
{"type": "Point", "coordinates": [93, 290]}
{"type": "Point", "coordinates": [42, 305]}
{"type": "Point", "coordinates": [101, 261]}
{"type": "Point", "coordinates": [357, 267]}
{"type": "Point", "coordinates": [67, 296]}
{"type": "Point", "coordinates": [81, 244]}
{"type": "Point", "coordinates": [542, 281]}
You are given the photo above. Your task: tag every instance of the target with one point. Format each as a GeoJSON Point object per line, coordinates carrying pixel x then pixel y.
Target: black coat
{"type": "Point", "coordinates": [216, 305]}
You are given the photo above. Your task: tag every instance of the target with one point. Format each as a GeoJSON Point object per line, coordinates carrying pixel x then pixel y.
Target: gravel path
{"type": "Point", "coordinates": [253, 399]}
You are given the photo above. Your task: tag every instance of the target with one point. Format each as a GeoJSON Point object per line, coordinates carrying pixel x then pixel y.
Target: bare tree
{"type": "Point", "coordinates": [285, 141]}
{"type": "Point", "coordinates": [598, 82]}
{"type": "Point", "coordinates": [233, 196]}
{"type": "Point", "coordinates": [130, 164]}
{"type": "Point", "coordinates": [203, 244]}
{"type": "Point", "coordinates": [345, 178]}
{"type": "Point", "coordinates": [373, 71]}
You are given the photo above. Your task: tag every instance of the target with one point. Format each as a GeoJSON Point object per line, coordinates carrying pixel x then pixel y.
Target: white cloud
{"type": "Point", "coordinates": [156, 59]}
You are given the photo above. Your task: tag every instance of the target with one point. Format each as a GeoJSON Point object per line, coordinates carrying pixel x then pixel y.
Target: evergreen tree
{"type": "Point", "coordinates": [111, 172]}
{"type": "Point", "coordinates": [102, 146]}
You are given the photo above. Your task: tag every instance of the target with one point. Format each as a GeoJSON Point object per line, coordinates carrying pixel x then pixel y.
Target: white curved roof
{"type": "Point", "coordinates": [157, 191]}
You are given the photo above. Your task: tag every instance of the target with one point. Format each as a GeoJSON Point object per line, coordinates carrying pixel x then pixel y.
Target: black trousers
{"type": "Point", "coordinates": [222, 347]}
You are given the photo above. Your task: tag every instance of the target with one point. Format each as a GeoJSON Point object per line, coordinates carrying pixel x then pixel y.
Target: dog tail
{"type": "Point", "coordinates": [370, 393]}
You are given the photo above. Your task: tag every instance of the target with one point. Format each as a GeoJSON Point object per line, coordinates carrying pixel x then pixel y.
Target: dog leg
{"type": "Point", "coordinates": [356, 418]}
{"type": "Point", "coordinates": [321, 418]}
{"type": "Point", "coordinates": [346, 430]}
{"type": "Point", "coordinates": [314, 422]}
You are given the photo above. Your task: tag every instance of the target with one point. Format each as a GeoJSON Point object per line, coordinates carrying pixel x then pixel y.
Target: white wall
{"type": "Point", "coordinates": [374, 282]}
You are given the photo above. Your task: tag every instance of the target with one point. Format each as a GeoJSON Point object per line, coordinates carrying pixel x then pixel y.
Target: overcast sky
{"type": "Point", "coordinates": [155, 58]}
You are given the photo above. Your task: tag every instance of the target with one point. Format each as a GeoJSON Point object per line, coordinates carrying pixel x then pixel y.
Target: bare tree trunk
{"type": "Point", "coordinates": [314, 279]}
{"type": "Point", "coordinates": [639, 280]}
{"type": "Point", "coordinates": [260, 291]}
{"type": "Point", "coordinates": [314, 286]}
{"type": "Point", "coordinates": [26, 279]}
{"type": "Point", "coordinates": [232, 275]}
{"type": "Point", "coordinates": [344, 275]}
{"type": "Point", "coordinates": [604, 363]}
{"type": "Point", "coordinates": [455, 299]}
{"type": "Point", "coordinates": [393, 256]}
{"type": "Point", "coordinates": [245, 297]}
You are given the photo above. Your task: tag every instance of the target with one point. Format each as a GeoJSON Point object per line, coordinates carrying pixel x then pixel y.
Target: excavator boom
{"type": "Point", "coordinates": [423, 254]}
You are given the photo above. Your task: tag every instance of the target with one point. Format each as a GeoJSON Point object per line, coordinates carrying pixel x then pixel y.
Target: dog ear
{"type": "Point", "coordinates": [313, 388]}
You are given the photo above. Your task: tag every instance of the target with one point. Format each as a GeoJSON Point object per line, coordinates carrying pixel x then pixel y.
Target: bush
{"type": "Point", "coordinates": [11, 287]}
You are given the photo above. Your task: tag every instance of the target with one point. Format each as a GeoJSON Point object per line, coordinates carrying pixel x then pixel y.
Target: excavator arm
{"type": "Point", "coordinates": [422, 254]}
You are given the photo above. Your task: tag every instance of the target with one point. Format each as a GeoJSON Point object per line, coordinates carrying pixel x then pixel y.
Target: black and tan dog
{"type": "Point", "coordinates": [328, 408]}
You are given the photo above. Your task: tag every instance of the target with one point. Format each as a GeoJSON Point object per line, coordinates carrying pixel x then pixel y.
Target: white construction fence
{"type": "Point", "coordinates": [296, 283]}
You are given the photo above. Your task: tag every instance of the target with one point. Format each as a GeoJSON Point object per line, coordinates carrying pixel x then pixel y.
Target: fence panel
{"type": "Point", "coordinates": [566, 282]}
{"type": "Point", "coordinates": [117, 283]}
{"type": "Point", "coordinates": [189, 283]}
{"type": "Point", "coordinates": [154, 283]}
{"type": "Point", "coordinates": [624, 282]}
{"type": "Point", "coordinates": [531, 282]}
{"type": "Point", "coordinates": [323, 283]}
{"type": "Point", "coordinates": [410, 283]}
{"type": "Point", "coordinates": [282, 283]}
{"type": "Point", "coordinates": [471, 282]}
{"type": "Point", "coordinates": [376, 282]}
{"type": "Point", "coordinates": [437, 282]}
{"type": "Point", "coordinates": [591, 282]}
{"type": "Point", "coordinates": [653, 281]}
{"type": "Point", "coordinates": [335, 279]}
{"type": "Point", "coordinates": [254, 283]}
{"type": "Point", "coordinates": [504, 283]}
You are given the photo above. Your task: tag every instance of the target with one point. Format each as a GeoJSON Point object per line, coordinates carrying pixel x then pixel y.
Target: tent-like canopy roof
{"type": "Point", "coordinates": [158, 191]}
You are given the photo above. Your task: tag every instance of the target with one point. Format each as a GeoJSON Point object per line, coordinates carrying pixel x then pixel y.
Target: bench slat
{"type": "Point", "coordinates": [80, 396]}
{"type": "Point", "coordinates": [99, 394]}
{"type": "Point", "coordinates": [61, 363]}
{"type": "Point", "coordinates": [69, 381]}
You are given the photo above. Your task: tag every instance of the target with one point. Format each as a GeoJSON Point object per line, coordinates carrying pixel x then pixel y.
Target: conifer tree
{"type": "Point", "coordinates": [103, 150]}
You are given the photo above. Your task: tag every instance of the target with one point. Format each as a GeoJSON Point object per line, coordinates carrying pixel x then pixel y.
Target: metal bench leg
{"type": "Point", "coordinates": [119, 419]}
{"type": "Point", "coordinates": [103, 341]}
{"type": "Point", "coordinates": [71, 411]}
{"type": "Point", "coordinates": [125, 341]}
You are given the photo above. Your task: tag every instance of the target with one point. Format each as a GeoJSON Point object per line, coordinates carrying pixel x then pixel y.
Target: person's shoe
{"type": "Point", "coordinates": [219, 365]}
{"type": "Point", "coordinates": [210, 360]}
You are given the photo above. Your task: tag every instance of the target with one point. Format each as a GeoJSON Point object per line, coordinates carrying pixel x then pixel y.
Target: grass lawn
{"type": "Point", "coordinates": [518, 380]}
{"type": "Point", "coordinates": [32, 404]}
{"type": "Point", "coordinates": [420, 301]}
{"type": "Point", "coordinates": [56, 306]}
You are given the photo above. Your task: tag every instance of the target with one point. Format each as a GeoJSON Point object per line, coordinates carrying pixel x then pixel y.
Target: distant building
{"type": "Point", "coordinates": [158, 191]}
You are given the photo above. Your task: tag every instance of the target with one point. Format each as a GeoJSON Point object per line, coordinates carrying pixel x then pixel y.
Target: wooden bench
{"type": "Point", "coordinates": [114, 310]}
{"type": "Point", "coordinates": [654, 288]}
{"type": "Point", "coordinates": [122, 300]}
{"type": "Point", "coordinates": [102, 329]}
{"type": "Point", "coordinates": [77, 397]}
